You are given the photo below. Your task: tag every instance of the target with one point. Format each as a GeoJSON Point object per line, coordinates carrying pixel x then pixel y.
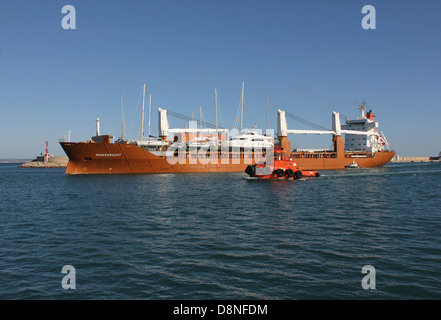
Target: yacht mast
{"type": "Point", "coordinates": [267, 123]}
{"type": "Point", "coordinates": [150, 110]}
{"type": "Point", "coordinates": [201, 116]}
{"type": "Point", "coordinates": [142, 116]}
{"type": "Point", "coordinates": [216, 103]}
{"type": "Point", "coordinates": [122, 118]}
{"type": "Point", "coordinates": [241, 106]}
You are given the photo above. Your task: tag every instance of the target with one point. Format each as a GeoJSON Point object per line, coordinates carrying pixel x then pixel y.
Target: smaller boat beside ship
{"type": "Point", "coordinates": [353, 165]}
{"type": "Point", "coordinates": [281, 168]}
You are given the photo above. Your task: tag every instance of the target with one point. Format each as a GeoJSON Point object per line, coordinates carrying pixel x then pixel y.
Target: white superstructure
{"type": "Point", "coordinates": [373, 141]}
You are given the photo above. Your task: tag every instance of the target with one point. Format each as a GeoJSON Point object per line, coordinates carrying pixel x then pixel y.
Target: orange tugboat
{"type": "Point", "coordinates": [282, 168]}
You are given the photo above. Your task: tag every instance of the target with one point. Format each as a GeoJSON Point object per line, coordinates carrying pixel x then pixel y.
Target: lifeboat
{"type": "Point", "coordinates": [283, 168]}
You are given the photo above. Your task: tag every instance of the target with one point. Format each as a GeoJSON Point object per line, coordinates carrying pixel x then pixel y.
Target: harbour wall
{"type": "Point", "coordinates": [53, 162]}
{"type": "Point", "coordinates": [416, 159]}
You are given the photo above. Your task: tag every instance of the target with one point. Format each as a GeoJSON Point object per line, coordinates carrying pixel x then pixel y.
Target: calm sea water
{"type": "Point", "coordinates": [221, 236]}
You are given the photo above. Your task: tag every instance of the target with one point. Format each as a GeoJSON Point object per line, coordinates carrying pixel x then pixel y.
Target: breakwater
{"type": "Point", "coordinates": [416, 159]}
{"type": "Point", "coordinates": [53, 162]}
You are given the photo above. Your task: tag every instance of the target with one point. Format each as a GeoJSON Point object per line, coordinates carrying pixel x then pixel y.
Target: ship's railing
{"type": "Point", "coordinates": [359, 154]}
{"type": "Point", "coordinates": [221, 155]}
{"type": "Point", "coordinates": [312, 155]}
{"type": "Point", "coordinates": [252, 155]}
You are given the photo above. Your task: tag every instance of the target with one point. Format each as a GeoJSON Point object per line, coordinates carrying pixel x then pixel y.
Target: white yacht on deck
{"type": "Point", "coordinates": [251, 139]}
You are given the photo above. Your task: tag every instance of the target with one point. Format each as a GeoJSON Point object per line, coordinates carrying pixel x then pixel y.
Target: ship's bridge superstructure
{"type": "Point", "coordinates": [373, 141]}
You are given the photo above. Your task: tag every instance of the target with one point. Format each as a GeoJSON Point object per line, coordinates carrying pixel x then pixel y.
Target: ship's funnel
{"type": "Point", "coordinates": [336, 126]}
{"type": "Point", "coordinates": [163, 122]}
{"type": "Point", "coordinates": [282, 128]}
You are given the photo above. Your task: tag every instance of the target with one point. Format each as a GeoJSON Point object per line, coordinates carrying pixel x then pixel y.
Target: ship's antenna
{"type": "Point", "coordinates": [142, 116]}
{"type": "Point", "coordinates": [150, 110]}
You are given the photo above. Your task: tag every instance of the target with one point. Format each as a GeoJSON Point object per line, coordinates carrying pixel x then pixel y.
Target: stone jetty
{"type": "Point", "coordinates": [53, 162]}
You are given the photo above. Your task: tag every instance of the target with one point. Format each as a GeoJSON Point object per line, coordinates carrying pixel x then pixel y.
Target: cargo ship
{"type": "Point", "coordinates": [196, 149]}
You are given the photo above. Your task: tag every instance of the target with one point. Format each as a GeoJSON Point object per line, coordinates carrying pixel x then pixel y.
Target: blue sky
{"type": "Point", "coordinates": [307, 57]}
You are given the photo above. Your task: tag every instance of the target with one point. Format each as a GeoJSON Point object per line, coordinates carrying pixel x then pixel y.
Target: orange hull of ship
{"type": "Point", "coordinates": [105, 158]}
{"type": "Point", "coordinates": [122, 158]}
{"type": "Point", "coordinates": [324, 162]}
{"type": "Point", "coordinates": [338, 159]}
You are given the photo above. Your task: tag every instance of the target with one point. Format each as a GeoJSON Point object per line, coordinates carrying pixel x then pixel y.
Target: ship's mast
{"type": "Point", "coordinates": [142, 116]}
{"type": "Point", "coordinates": [363, 108]}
